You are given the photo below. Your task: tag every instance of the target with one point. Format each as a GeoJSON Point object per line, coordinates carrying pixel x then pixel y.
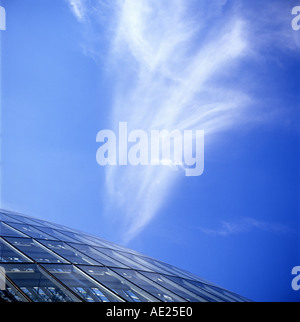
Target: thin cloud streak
{"type": "Point", "coordinates": [78, 8]}
{"type": "Point", "coordinates": [229, 228]}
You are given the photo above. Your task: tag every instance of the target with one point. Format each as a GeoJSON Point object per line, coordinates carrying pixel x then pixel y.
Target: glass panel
{"type": "Point", "coordinates": [6, 230]}
{"type": "Point", "coordinates": [22, 219]}
{"type": "Point", "coordinates": [4, 217]}
{"type": "Point", "coordinates": [89, 240]}
{"type": "Point", "coordinates": [114, 254]}
{"type": "Point", "coordinates": [171, 270]}
{"type": "Point", "coordinates": [48, 224]}
{"type": "Point", "coordinates": [110, 245]}
{"type": "Point", "coordinates": [98, 256]}
{"type": "Point", "coordinates": [225, 293]}
{"type": "Point", "coordinates": [81, 284]}
{"type": "Point", "coordinates": [35, 221]}
{"type": "Point", "coordinates": [68, 252]}
{"type": "Point", "coordinates": [198, 290]}
{"type": "Point", "coordinates": [31, 231]}
{"type": "Point", "coordinates": [37, 285]}
{"type": "Point", "coordinates": [213, 290]}
{"type": "Point", "coordinates": [55, 233]}
{"type": "Point", "coordinates": [146, 263]}
{"type": "Point", "coordinates": [80, 238]}
{"type": "Point", "coordinates": [156, 290]}
{"type": "Point", "coordinates": [11, 294]}
{"type": "Point", "coordinates": [173, 287]}
{"type": "Point", "coordinates": [122, 248]}
{"type": "Point", "coordinates": [128, 291]}
{"type": "Point", "coordinates": [96, 241]}
{"type": "Point", "coordinates": [10, 254]}
{"type": "Point", "coordinates": [35, 250]}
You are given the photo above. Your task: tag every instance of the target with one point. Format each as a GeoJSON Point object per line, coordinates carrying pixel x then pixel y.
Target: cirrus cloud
{"type": "Point", "coordinates": [173, 69]}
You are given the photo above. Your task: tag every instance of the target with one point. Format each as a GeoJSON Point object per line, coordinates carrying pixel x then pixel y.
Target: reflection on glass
{"type": "Point", "coordinates": [6, 218]}
{"type": "Point", "coordinates": [146, 262]}
{"type": "Point", "coordinates": [22, 219]}
{"type": "Point", "coordinates": [48, 262]}
{"type": "Point", "coordinates": [68, 252]}
{"type": "Point", "coordinates": [110, 245]}
{"type": "Point", "coordinates": [173, 287]}
{"type": "Point", "coordinates": [169, 269]}
{"type": "Point", "coordinates": [11, 295]}
{"type": "Point", "coordinates": [156, 290]}
{"type": "Point", "coordinates": [37, 285]}
{"type": "Point", "coordinates": [98, 256]}
{"type": "Point", "coordinates": [227, 296]}
{"type": "Point", "coordinates": [90, 240]}
{"type": "Point", "coordinates": [8, 231]}
{"type": "Point", "coordinates": [85, 287]}
{"type": "Point", "coordinates": [54, 233]}
{"type": "Point", "coordinates": [79, 238]}
{"type": "Point", "coordinates": [200, 291]}
{"type": "Point", "coordinates": [35, 250]}
{"type": "Point", "coordinates": [10, 254]}
{"type": "Point", "coordinates": [31, 231]}
{"type": "Point", "coordinates": [128, 291]}
{"type": "Point", "coordinates": [114, 254]}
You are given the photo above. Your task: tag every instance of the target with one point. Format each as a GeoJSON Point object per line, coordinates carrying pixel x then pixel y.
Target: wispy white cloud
{"type": "Point", "coordinates": [174, 69]}
{"type": "Point", "coordinates": [245, 225]}
{"type": "Point", "coordinates": [171, 88]}
{"type": "Point", "coordinates": [78, 8]}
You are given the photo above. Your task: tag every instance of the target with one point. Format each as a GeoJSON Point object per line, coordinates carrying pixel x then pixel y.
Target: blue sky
{"type": "Point", "coordinates": [71, 68]}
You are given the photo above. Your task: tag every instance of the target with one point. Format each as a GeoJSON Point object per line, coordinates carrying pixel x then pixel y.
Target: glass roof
{"type": "Point", "coordinates": [45, 262]}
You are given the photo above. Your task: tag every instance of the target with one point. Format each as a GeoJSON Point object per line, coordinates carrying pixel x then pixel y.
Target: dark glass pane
{"type": "Point", "coordinates": [170, 270]}
{"type": "Point", "coordinates": [145, 262]}
{"type": "Point", "coordinates": [156, 290]}
{"type": "Point", "coordinates": [173, 287]}
{"type": "Point", "coordinates": [48, 224]}
{"type": "Point", "coordinates": [10, 254]}
{"type": "Point", "coordinates": [215, 290]}
{"type": "Point", "coordinates": [37, 285]}
{"type": "Point", "coordinates": [116, 255]}
{"type": "Point", "coordinates": [81, 284]}
{"type": "Point", "coordinates": [31, 231]}
{"type": "Point", "coordinates": [5, 217]}
{"type": "Point", "coordinates": [55, 233]}
{"type": "Point", "coordinates": [35, 250]}
{"type": "Point", "coordinates": [7, 231]}
{"type": "Point", "coordinates": [23, 219]}
{"type": "Point", "coordinates": [198, 290]}
{"type": "Point", "coordinates": [78, 238]}
{"type": "Point", "coordinates": [68, 252]}
{"type": "Point", "coordinates": [98, 256]}
{"type": "Point", "coordinates": [9, 293]}
{"type": "Point", "coordinates": [128, 291]}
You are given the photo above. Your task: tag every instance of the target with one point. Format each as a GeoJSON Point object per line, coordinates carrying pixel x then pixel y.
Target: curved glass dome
{"type": "Point", "coordinates": [44, 262]}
